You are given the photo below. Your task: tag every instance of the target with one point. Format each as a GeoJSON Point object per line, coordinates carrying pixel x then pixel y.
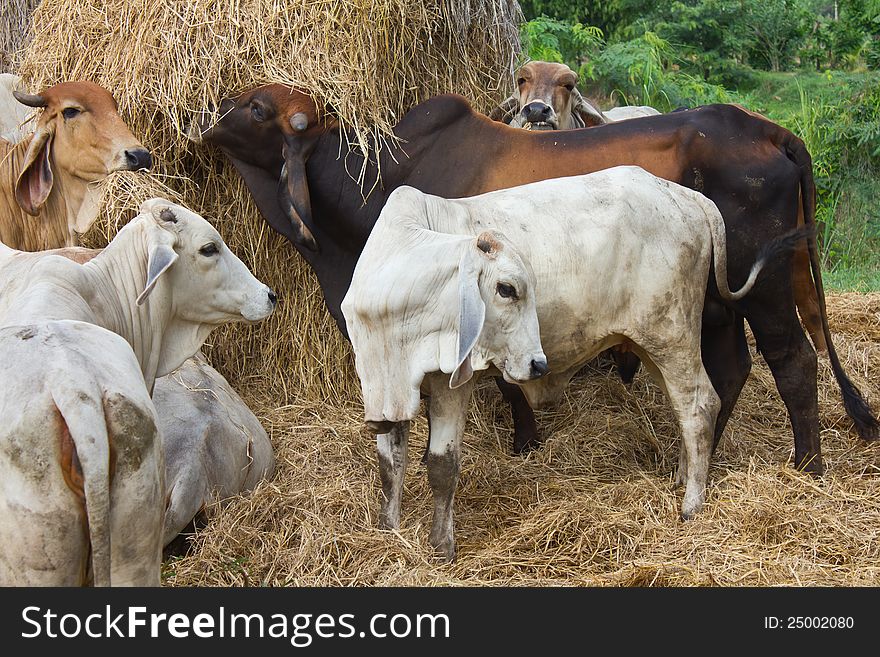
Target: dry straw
{"type": "Point", "coordinates": [595, 506]}
{"type": "Point", "coordinates": [15, 17]}
{"type": "Point", "coordinates": [370, 60]}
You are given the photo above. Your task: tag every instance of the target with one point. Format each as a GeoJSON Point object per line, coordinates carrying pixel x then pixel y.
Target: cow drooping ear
{"type": "Point", "coordinates": [34, 184]}
{"type": "Point", "coordinates": [293, 185]}
{"type": "Point", "coordinates": [471, 309]}
{"type": "Point", "coordinates": [161, 238]}
{"type": "Point", "coordinates": [506, 110]}
{"type": "Point", "coordinates": [583, 110]}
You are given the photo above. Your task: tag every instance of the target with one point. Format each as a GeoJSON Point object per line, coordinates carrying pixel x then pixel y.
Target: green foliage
{"type": "Point", "coordinates": [643, 71]}
{"type": "Point", "coordinates": [604, 14]}
{"type": "Point", "coordinates": [838, 117]}
{"type": "Point", "coordinates": [552, 40]}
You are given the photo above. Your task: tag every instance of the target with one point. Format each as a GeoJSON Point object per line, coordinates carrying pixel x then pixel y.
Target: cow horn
{"type": "Point", "coordinates": [31, 100]}
{"type": "Point", "coordinates": [506, 110]}
{"type": "Point", "coordinates": [299, 122]}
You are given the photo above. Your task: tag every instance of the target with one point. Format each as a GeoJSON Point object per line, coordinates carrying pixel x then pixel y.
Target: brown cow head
{"type": "Point", "coordinates": [262, 123]}
{"type": "Point", "coordinates": [80, 133]}
{"type": "Point", "coordinates": [547, 99]}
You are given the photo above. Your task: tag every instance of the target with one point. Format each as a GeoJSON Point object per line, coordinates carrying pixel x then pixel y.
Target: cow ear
{"type": "Point", "coordinates": [506, 110]}
{"type": "Point", "coordinates": [293, 188]}
{"type": "Point", "coordinates": [582, 109]}
{"type": "Point", "coordinates": [34, 184]}
{"type": "Point", "coordinates": [160, 246]}
{"type": "Point", "coordinates": [471, 315]}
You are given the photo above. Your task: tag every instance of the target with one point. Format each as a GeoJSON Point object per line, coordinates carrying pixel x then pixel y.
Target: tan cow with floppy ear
{"type": "Point", "coordinates": [46, 191]}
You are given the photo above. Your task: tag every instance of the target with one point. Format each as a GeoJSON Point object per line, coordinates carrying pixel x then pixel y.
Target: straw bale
{"type": "Point", "coordinates": [163, 60]}
{"type": "Point", "coordinates": [15, 18]}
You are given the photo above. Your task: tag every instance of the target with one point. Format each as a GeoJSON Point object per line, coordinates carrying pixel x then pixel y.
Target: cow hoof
{"type": "Point", "coordinates": [444, 547]}
{"type": "Point", "coordinates": [690, 508]}
{"type": "Point", "coordinates": [525, 444]}
{"type": "Point", "coordinates": [386, 521]}
{"type": "Point", "coordinates": [812, 465]}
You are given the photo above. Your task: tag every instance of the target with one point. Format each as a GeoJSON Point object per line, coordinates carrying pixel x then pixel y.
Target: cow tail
{"type": "Point", "coordinates": [768, 254]}
{"type": "Point", "coordinates": [854, 402]}
{"type": "Point", "coordinates": [88, 430]}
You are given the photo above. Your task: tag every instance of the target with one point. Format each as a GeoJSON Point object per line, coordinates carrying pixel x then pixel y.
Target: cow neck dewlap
{"type": "Point", "coordinates": [408, 323]}
{"type": "Point", "coordinates": [78, 201]}
{"type": "Point", "coordinates": [116, 277]}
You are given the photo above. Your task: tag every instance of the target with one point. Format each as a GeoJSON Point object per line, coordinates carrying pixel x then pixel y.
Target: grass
{"type": "Point", "coordinates": [850, 201]}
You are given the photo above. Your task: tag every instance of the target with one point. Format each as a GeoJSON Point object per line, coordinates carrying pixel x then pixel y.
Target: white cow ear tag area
{"type": "Point", "coordinates": [162, 257]}
{"type": "Point", "coordinates": [471, 315]}
{"type": "Point", "coordinates": [161, 243]}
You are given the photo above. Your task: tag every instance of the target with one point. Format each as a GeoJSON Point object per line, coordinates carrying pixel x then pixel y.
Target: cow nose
{"type": "Point", "coordinates": [273, 298]}
{"type": "Point", "coordinates": [539, 368]}
{"type": "Point", "coordinates": [537, 112]}
{"type": "Point", "coordinates": [138, 158]}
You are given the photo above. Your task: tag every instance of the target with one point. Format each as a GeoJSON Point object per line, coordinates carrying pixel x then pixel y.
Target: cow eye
{"type": "Point", "coordinates": [520, 82]}
{"type": "Point", "coordinates": [506, 291]}
{"type": "Point", "coordinates": [569, 86]}
{"type": "Point", "coordinates": [258, 112]}
{"type": "Point", "coordinates": [209, 249]}
{"type": "Point", "coordinates": [70, 112]}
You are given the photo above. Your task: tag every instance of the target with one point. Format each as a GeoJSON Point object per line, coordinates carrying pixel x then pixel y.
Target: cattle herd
{"type": "Point", "coordinates": [488, 249]}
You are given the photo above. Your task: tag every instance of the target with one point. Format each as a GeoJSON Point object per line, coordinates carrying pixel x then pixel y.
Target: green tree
{"type": "Point", "coordinates": [778, 27]}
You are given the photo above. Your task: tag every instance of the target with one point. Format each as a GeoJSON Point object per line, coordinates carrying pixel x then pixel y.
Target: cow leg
{"type": "Point", "coordinates": [448, 410]}
{"type": "Point", "coordinates": [793, 363]}
{"type": "Point", "coordinates": [391, 451]}
{"type": "Point", "coordinates": [696, 406]}
{"type": "Point", "coordinates": [525, 429]}
{"type": "Point", "coordinates": [627, 364]}
{"type": "Point", "coordinates": [728, 362]}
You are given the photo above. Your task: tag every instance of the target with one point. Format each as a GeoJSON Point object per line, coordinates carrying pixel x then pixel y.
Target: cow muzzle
{"type": "Point", "coordinates": [538, 115]}
{"type": "Point", "coordinates": [137, 159]}
{"type": "Point", "coordinates": [527, 369]}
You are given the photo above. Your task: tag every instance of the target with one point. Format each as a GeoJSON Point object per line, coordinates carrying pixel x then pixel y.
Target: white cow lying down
{"type": "Point", "coordinates": [423, 305]}
{"type": "Point", "coordinates": [81, 466]}
{"type": "Point", "coordinates": [215, 446]}
{"type": "Point", "coordinates": [618, 256]}
{"type": "Point", "coordinates": [626, 112]}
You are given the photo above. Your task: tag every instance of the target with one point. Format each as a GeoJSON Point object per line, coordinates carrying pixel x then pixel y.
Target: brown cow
{"type": "Point", "coordinates": [547, 99]}
{"type": "Point", "coordinates": [288, 152]}
{"type": "Point", "coordinates": [79, 139]}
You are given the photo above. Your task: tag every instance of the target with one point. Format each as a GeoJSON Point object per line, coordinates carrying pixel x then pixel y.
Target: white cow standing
{"type": "Point", "coordinates": [619, 256]}
{"type": "Point", "coordinates": [425, 310]}
{"type": "Point", "coordinates": [80, 455]}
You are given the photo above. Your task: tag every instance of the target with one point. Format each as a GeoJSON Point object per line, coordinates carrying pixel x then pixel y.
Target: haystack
{"type": "Point", "coordinates": [371, 60]}
{"type": "Point", "coordinates": [15, 19]}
